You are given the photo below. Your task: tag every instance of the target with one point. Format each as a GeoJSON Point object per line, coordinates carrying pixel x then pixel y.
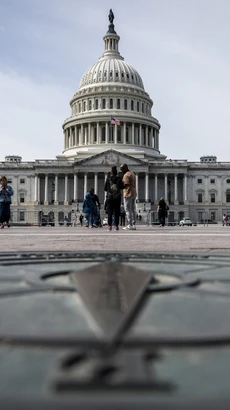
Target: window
{"type": "Point", "coordinates": [228, 181]}
{"type": "Point", "coordinates": [213, 197]}
{"type": "Point", "coordinates": [9, 180]}
{"type": "Point", "coordinates": [125, 105]}
{"type": "Point", "coordinates": [111, 103]}
{"type": "Point", "coordinates": [118, 103]}
{"type": "Point", "coordinates": [103, 134]}
{"type": "Point", "coordinates": [212, 181]}
{"type": "Point", "coordinates": [213, 215]}
{"type": "Point", "coordinates": [22, 181]}
{"type": "Point", "coordinates": [103, 103]}
{"type": "Point", "coordinates": [79, 107]}
{"type": "Point", "coordinates": [132, 105]}
{"type": "Point", "coordinates": [199, 181]}
{"type": "Point", "coordinates": [228, 195]}
{"type": "Point", "coordinates": [96, 104]}
{"type": "Point", "coordinates": [90, 105]}
{"type": "Point", "coordinates": [200, 197]}
{"type": "Point", "coordinates": [118, 133]}
{"type": "Point", "coordinates": [127, 135]}
{"type": "Point", "coordinates": [138, 106]}
{"type": "Point", "coordinates": [142, 107]}
{"type": "Point", "coordinates": [21, 197]}
{"type": "Point", "coordinates": [22, 216]}
{"type": "Point", "coordinates": [95, 134]}
{"type": "Point", "coordinates": [200, 216]}
{"type": "Point", "coordinates": [84, 106]}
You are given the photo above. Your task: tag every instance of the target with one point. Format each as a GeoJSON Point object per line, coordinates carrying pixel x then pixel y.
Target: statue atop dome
{"type": "Point", "coordinates": [111, 16]}
{"type": "Point", "coordinates": [111, 26]}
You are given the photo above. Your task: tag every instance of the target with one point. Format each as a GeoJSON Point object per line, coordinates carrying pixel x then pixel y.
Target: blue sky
{"type": "Point", "coordinates": [179, 47]}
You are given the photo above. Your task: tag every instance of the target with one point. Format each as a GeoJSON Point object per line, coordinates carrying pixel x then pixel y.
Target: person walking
{"type": "Point", "coordinates": [81, 217]}
{"type": "Point", "coordinates": [129, 182]}
{"type": "Point", "coordinates": [162, 211]}
{"type": "Point", "coordinates": [113, 187]}
{"type": "Point", "coordinates": [6, 192]}
{"type": "Point", "coordinates": [89, 209]}
{"type": "Point", "coordinates": [96, 220]}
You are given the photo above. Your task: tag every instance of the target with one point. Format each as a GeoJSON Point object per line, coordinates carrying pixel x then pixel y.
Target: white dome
{"type": "Point", "coordinates": [110, 69]}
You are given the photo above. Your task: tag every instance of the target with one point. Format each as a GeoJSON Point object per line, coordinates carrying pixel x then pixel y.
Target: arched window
{"type": "Point", "coordinates": [228, 195]}
{"type": "Point", "coordinates": [125, 104]}
{"type": "Point", "coordinates": [111, 103]}
{"type": "Point", "coordinates": [103, 104]}
{"type": "Point", "coordinates": [118, 103]}
{"type": "Point", "coordinates": [96, 104]}
{"type": "Point", "coordinates": [132, 105]}
{"type": "Point", "coordinates": [90, 105]}
{"type": "Point", "coordinates": [84, 106]}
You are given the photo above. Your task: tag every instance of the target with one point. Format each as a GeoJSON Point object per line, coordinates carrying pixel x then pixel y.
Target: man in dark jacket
{"type": "Point", "coordinates": [113, 187]}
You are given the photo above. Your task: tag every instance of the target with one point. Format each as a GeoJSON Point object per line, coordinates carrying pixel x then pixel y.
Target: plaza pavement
{"type": "Point", "coordinates": [211, 239]}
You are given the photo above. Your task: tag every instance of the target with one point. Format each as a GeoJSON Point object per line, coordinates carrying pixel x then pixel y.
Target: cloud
{"type": "Point", "coordinates": [31, 117]}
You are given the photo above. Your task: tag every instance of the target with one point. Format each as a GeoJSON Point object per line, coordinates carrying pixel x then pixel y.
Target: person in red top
{"type": "Point", "coordinates": [130, 194]}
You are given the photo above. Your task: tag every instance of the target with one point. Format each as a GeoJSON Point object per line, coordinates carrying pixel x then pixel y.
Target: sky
{"type": "Point", "coordinates": [179, 47]}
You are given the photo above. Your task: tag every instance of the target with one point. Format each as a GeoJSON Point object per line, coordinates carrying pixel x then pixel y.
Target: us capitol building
{"type": "Point", "coordinates": [52, 189]}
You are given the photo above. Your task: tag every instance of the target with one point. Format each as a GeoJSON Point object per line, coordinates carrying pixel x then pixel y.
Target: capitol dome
{"type": "Point", "coordinates": [113, 69]}
{"type": "Point", "coordinates": [111, 88]}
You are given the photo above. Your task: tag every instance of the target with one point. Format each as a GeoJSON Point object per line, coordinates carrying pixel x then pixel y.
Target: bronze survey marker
{"type": "Point", "coordinates": [112, 292]}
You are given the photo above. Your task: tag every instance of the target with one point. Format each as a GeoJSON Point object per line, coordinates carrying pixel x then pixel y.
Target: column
{"type": "Point", "coordinates": [98, 133]}
{"type": "Point", "coordinates": [151, 138]}
{"type": "Point", "coordinates": [106, 175]}
{"type": "Point", "coordinates": [81, 135]}
{"type": "Point", "coordinates": [146, 186]}
{"type": "Point", "coordinates": [106, 133]}
{"type": "Point", "coordinates": [124, 133]}
{"type": "Point", "coordinates": [176, 190]}
{"type": "Point", "coordinates": [166, 187]}
{"type": "Point", "coordinates": [36, 189]}
{"type": "Point", "coordinates": [15, 186]}
{"type": "Point", "coordinates": [66, 202]}
{"type": "Point", "coordinates": [75, 130]}
{"type": "Point", "coordinates": [133, 139]}
{"type": "Point", "coordinates": [140, 134]}
{"type": "Point", "coordinates": [146, 135]}
{"type": "Point", "coordinates": [71, 136]}
{"type": "Point", "coordinates": [206, 189]}
{"type": "Point", "coordinates": [46, 191]}
{"type": "Point", "coordinates": [75, 187]}
{"type": "Point", "coordinates": [85, 183]}
{"type": "Point", "coordinates": [156, 189]}
{"type": "Point", "coordinates": [185, 187]}
{"type": "Point", "coordinates": [56, 190]}
{"type": "Point", "coordinates": [96, 182]}
{"type": "Point", "coordinates": [39, 190]}
{"type": "Point", "coordinates": [115, 134]}
{"type": "Point", "coordinates": [137, 184]}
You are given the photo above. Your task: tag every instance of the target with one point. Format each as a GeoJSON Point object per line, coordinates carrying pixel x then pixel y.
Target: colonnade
{"type": "Point", "coordinates": [104, 133]}
{"type": "Point", "coordinates": [96, 180]}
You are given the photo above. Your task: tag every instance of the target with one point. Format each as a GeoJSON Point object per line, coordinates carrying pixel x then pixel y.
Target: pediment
{"type": "Point", "coordinates": [111, 157]}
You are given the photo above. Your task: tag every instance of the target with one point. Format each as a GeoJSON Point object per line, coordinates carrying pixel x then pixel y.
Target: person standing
{"type": "Point", "coordinates": [6, 192]}
{"type": "Point", "coordinates": [162, 211]}
{"type": "Point", "coordinates": [129, 182]}
{"type": "Point", "coordinates": [113, 187]}
{"type": "Point", "coordinates": [122, 215]}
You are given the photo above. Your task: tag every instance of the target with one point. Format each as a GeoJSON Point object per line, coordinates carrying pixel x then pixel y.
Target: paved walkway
{"type": "Point", "coordinates": [214, 239]}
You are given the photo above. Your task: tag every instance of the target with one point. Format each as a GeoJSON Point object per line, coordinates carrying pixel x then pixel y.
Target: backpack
{"type": "Point", "coordinates": [114, 191]}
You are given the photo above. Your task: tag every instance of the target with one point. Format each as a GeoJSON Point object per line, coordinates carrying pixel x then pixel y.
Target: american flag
{"type": "Point", "coordinates": [114, 121]}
